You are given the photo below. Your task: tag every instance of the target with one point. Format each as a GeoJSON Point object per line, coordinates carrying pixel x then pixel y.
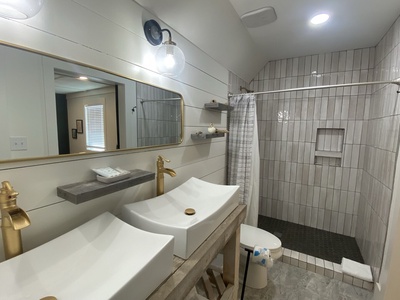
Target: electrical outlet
{"type": "Point", "coordinates": [18, 143]}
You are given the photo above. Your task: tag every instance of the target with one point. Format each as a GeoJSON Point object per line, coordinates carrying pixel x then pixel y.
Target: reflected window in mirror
{"type": "Point", "coordinates": [94, 124]}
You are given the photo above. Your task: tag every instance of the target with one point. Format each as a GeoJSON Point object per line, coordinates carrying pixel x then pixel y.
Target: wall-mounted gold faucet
{"type": "Point", "coordinates": [160, 174]}
{"type": "Point", "coordinates": [13, 219]}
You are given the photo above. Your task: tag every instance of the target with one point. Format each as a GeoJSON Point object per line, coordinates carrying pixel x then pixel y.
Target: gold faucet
{"type": "Point", "coordinates": [13, 219]}
{"type": "Point", "coordinates": [160, 174]}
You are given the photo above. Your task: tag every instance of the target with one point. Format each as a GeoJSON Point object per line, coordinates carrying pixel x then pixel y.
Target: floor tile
{"type": "Point", "coordinates": [286, 282]}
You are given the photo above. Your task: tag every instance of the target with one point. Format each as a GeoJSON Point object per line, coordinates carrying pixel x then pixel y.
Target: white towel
{"type": "Point", "coordinates": [356, 269]}
{"type": "Point", "coordinates": [261, 256]}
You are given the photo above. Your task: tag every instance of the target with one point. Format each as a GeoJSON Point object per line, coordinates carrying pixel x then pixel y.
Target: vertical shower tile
{"type": "Point", "coordinates": [338, 108]}
{"type": "Point", "coordinates": [327, 220]}
{"type": "Point", "coordinates": [347, 224]}
{"type": "Point", "coordinates": [300, 158]}
{"type": "Point", "coordinates": [349, 60]}
{"type": "Point", "coordinates": [345, 178]}
{"type": "Point", "coordinates": [353, 179]}
{"type": "Point", "coordinates": [340, 223]}
{"type": "Point", "coordinates": [324, 176]}
{"type": "Point", "coordinates": [338, 178]}
{"type": "Point", "coordinates": [329, 199]}
{"type": "Point", "coordinates": [357, 59]}
{"type": "Point", "coordinates": [345, 108]}
{"type": "Point", "coordinates": [334, 221]}
{"type": "Point", "coordinates": [320, 218]}
{"type": "Point", "coordinates": [324, 108]}
{"type": "Point", "coordinates": [316, 194]}
{"type": "Point", "coordinates": [342, 201]}
{"type": "Point", "coordinates": [307, 220]}
{"type": "Point", "coordinates": [342, 61]}
{"type": "Point", "coordinates": [296, 214]}
{"type": "Point", "coordinates": [365, 58]}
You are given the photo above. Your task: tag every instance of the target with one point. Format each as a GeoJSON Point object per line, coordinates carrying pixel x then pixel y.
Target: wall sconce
{"type": "Point", "coordinates": [19, 9]}
{"type": "Point", "coordinates": [169, 57]}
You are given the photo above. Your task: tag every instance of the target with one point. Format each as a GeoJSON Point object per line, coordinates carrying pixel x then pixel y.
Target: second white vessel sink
{"type": "Point", "coordinates": [165, 214]}
{"type": "Point", "coordinates": [104, 258]}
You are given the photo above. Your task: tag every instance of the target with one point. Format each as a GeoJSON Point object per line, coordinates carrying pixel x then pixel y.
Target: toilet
{"type": "Point", "coordinates": [252, 236]}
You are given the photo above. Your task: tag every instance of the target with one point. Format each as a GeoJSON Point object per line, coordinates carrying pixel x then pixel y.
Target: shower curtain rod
{"type": "Point", "coordinates": [396, 81]}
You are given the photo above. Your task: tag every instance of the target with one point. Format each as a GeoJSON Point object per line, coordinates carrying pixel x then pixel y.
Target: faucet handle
{"type": "Point", "coordinates": [162, 158]}
{"type": "Point", "coordinates": [7, 191]}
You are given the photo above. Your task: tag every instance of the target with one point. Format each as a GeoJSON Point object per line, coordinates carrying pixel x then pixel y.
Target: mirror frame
{"type": "Point", "coordinates": [103, 153]}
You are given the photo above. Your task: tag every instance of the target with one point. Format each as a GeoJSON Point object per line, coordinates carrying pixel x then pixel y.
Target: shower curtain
{"type": "Point", "coordinates": [243, 154]}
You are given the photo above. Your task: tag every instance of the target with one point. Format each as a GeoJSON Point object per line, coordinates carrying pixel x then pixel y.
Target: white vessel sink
{"type": "Point", "coordinates": [104, 258]}
{"type": "Point", "coordinates": [166, 213]}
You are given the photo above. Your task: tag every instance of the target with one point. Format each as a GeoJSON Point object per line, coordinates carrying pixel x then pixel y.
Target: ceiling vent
{"type": "Point", "coordinates": [259, 17]}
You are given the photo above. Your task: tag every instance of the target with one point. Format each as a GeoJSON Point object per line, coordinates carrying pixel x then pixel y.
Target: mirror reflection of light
{"type": "Point", "coordinates": [82, 78]}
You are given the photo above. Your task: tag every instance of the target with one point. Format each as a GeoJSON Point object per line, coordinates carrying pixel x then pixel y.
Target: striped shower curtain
{"type": "Point", "coordinates": [243, 154]}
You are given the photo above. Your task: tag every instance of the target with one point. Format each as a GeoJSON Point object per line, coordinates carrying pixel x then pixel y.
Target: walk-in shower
{"type": "Point", "coordinates": [328, 132]}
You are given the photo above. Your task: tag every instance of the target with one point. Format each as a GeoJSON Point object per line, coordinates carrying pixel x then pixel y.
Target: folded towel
{"type": "Point", "coordinates": [262, 256]}
{"type": "Point", "coordinates": [356, 269]}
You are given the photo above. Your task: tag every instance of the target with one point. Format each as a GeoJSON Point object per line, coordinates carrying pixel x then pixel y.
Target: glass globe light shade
{"type": "Point", "coordinates": [19, 9]}
{"type": "Point", "coordinates": [170, 60]}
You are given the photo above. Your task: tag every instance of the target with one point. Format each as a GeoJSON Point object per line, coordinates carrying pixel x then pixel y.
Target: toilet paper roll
{"type": "Point", "coordinates": [261, 256]}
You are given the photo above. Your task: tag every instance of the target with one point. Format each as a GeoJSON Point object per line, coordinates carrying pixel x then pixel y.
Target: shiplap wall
{"type": "Point", "coordinates": [109, 36]}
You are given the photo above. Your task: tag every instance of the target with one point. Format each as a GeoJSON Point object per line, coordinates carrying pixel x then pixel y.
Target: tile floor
{"type": "Point", "coordinates": [287, 282]}
{"type": "Point", "coordinates": [319, 243]}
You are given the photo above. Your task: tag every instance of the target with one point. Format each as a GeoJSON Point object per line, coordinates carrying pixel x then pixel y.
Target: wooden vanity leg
{"type": "Point", "coordinates": [231, 264]}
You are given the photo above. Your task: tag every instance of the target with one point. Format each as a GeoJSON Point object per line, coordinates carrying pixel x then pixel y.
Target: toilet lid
{"type": "Point", "coordinates": [251, 236]}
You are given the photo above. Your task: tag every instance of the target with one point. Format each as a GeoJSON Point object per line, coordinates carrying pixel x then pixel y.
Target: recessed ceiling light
{"type": "Point", "coordinates": [319, 19]}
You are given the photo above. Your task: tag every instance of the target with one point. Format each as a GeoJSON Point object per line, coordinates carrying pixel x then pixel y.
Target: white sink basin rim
{"type": "Point", "coordinates": [104, 258]}
{"type": "Point", "coordinates": [165, 214]}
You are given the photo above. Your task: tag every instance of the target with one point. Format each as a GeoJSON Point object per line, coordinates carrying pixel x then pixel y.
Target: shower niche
{"type": "Point", "coordinates": [329, 146]}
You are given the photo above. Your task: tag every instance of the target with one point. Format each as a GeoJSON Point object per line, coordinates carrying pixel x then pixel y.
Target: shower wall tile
{"type": "Point", "coordinates": [381, 142]}
{"type": "Point", "coordinates": [324, 195]}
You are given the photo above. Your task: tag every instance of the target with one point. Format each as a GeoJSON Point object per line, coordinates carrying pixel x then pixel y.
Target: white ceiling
{"type": "Point", "coordinates": [215, 27]}
{"type": "Point", "coordinates": [66, 84]}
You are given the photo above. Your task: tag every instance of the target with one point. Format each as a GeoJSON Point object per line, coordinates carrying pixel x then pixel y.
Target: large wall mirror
{"type": "Point", "coordinates": [53, 107]}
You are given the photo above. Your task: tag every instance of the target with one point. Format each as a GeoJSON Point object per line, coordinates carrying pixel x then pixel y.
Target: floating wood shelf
{"type": "Point", "coordinates": [216, 106]}
{"type": "Point", "coordinates": [205, 136]}
{"type": "Point", "coordinates": [84, 191]}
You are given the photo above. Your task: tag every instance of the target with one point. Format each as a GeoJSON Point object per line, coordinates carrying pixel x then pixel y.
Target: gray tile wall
{"type": "Point", "coordinates": [158, 121]}
{"type": "Point", "coordinates": [380, 152]}
{"type": "Point", "coordinates": [296, 185]}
